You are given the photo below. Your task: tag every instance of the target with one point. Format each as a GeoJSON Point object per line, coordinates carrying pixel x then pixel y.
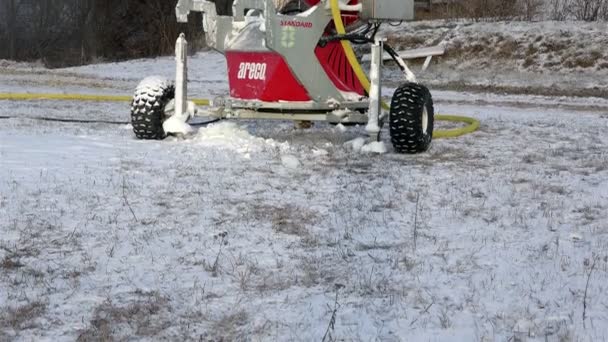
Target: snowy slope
{"type": "Point", "coordinates": [254, 231]}
{"type": "Point", "coordinates": [552, 58]}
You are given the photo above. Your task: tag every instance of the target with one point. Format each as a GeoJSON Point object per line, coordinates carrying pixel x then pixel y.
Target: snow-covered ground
{"type": "Point", "coordinates": [256, 231]}
{"type": "Point", "coordinates": [547, 57]}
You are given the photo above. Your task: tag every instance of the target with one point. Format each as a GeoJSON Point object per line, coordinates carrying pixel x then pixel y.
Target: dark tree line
{"type": "Point", "coordinates": [492, 10]}
{"type": "Point", "coordinates": [73, 32]}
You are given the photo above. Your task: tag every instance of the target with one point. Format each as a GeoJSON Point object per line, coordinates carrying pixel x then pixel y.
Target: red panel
{"type": "Point", "coordinates": [262, 76]}
{"type": "Point", "coordinates": [336, 66]}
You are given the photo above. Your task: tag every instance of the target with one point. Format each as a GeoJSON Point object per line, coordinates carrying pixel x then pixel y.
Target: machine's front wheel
{"type": "Point", "coordinates": [411, 118]}
{"type": "Point", "coordinates": [148, 107]}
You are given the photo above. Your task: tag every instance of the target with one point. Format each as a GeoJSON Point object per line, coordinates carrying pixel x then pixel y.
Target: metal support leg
{"type": "Point", "coordinates": [181, 75]}
{"type": "Point", "coordinates": [427, 63]}
{"type": "Point", "coordinates": [375, 96]}
{"type": "Point", "coordinates": [177, 123]}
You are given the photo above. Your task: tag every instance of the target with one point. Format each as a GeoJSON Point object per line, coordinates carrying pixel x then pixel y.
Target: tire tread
{"type": "Point", "coordinates": [405, 122]}
{"type": "Point", "coordinates": [148, 108]}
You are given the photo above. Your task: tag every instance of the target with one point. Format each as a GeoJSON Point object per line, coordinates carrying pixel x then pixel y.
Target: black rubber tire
{"type": "Point", "coordinates": [148, 107]}
{"type": "Point", "coordinates": [406, 119]}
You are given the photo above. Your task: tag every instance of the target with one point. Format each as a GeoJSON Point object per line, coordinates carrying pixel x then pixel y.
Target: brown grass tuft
{"type": "Point", "coordinates": [22, 317]}
{"type": "Point", "coordinates": [143, 317]}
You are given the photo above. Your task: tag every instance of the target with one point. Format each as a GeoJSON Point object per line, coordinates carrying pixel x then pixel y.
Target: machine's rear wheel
{"type": "Point", "coordinates": [412, 118]}
{"type": "Point", "coordinates": [148, 107]}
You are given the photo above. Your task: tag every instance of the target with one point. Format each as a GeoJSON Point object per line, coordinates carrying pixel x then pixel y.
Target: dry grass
{"type": "Point", "coordinates": [10, 263]}
{"type": "Point", "coordinates": [22, 317]}
{"type": "Point", "coordinates": [521, 49]}
{"type": "Point", "coordinates": [286, 219]}
{"type": "Point", "coordinates": [12, 260]}
{"type": "Point", "coordinates": [143, 318]}
{"type": "Point", "coordinates": [229, 327]}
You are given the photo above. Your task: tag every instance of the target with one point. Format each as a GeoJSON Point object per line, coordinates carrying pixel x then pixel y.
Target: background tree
{"type": "Point", "coordinates": [10, 13]}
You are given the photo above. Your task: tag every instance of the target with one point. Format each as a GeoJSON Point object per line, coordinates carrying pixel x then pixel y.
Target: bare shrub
{"type": "Point", "coordinates": [587, 10]}
{"type": "Point", "coordinates": [485, 10]}
{"type": "Point", "coordinates": [559, 9]}
{"type": "Point", "coordinates": [529, 9]}
{"type": "Point", "coordinates": [491, 10]}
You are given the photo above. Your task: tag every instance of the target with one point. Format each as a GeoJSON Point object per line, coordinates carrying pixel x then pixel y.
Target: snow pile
{"type": "Point", "coordinates": [290, 162]}
{"type": "Point", "coordinates": [375, 147]}
{"type": "Point", "coordinates": [341, 128]}
{"type": "Point", "coordinates": [359, 145]}
{"type": "Point", "coordinates": [229, 135]}
{"type": "Point", "coordinates": [176, 126]}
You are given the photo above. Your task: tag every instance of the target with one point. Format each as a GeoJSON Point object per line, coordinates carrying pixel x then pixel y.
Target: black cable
{"type": "Point", "coordinates": [376, 28]}
{"type": "Point", "coordinates": [394, 55]}
{"type": "Point", "coordinates": [205, 123]}
{"type": "Point", "coordinates": [355, 38]}
{"type": "Point", "coordinates": [362, 38]}
{"type": "Point", "coordinates": [66, 120]}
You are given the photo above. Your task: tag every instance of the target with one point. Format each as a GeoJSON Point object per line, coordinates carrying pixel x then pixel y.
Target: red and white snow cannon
{"type": "Point", "coordinates": [293, 61]}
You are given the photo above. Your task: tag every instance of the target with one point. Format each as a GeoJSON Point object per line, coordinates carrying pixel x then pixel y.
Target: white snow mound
{"type": "Point", "coordinates": [359, 145]}
{"type": "Point", "coordinates": [375, 147]}
{"type": "Point", "coordinates": [356, 144]}
{"type": "Point", "coordinates": [290, 162]}
{"type": "Point", "coordinates": [234, 137]}
{"type": "Point", "coordinates": [340, 128]}
{"type": "Point", "coordinates": [176, 126]}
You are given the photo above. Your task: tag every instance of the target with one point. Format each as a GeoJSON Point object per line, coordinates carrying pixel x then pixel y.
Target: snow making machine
{"type": "Point", "coordinates": [293, 60]}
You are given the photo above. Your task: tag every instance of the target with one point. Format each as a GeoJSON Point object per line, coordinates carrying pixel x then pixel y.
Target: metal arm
{"type": "Point", "coordinates": [184, 7]}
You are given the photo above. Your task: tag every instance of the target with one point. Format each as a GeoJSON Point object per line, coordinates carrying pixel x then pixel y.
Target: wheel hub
{"type": "Point", "coordinates": [425, 120]}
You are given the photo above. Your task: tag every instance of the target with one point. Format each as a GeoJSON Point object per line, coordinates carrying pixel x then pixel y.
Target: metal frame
{"type": "Point", "coordinates": [328, 103]}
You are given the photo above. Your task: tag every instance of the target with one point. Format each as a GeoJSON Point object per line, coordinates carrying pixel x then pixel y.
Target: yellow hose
{"type": "Point", "coordinates": [473, 124]}
{"type": "Point", "coordinates": [77, 97]}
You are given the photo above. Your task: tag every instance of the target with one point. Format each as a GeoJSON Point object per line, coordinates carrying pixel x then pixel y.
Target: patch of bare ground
{"type": "Point", "coordinates": [228, 327]}
{"type": "Point", "coordinates": [144, 317]}
{"type": "Point", "coordinates": [22, 317]}
{"type": "Point", "coordinates": [10, 263]}
{"type": "Point", "coordinates": [286, 219]}
{"type": "Point", "coordinates": [14, 255]}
